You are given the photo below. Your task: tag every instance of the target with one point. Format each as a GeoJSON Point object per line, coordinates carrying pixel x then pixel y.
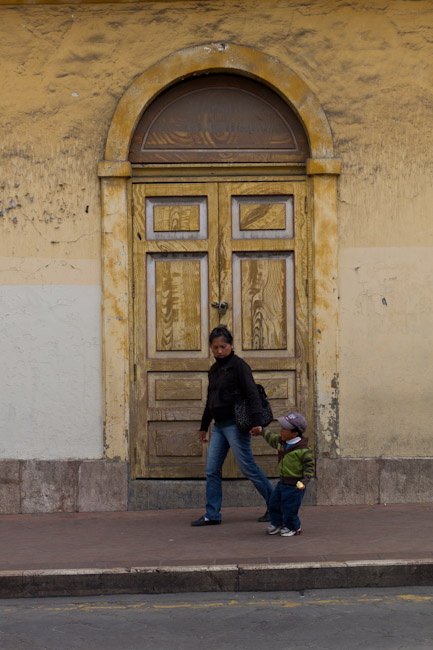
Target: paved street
{"type": "Point", "coordinates": [355, 619]}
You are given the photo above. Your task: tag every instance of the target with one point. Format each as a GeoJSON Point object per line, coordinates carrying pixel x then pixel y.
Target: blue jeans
{"type": "Point", "coordinates": [284, 506]}
{"type": "Point", "coordinates": [225, 435]}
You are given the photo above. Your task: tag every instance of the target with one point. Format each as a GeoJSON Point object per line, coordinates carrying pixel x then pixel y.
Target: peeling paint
{"type": "Point", "coordinates": [328, 424]}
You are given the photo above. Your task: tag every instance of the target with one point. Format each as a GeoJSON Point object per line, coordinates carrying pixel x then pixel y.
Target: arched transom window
{"type": "Point", "coordinates": [219, 118]}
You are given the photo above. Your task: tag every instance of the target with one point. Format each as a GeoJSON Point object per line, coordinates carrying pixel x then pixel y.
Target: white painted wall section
{"type": "Point", "coordinates": [50, 382]}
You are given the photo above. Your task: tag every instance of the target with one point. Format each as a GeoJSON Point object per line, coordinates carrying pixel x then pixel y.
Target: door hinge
{"type": "Point", "coordinates": [135, 372]}
{"type": "Point", "coordinates": [308, 370]}
{"type": "Point", "coordinates": [133, 289]}
{"type": "Point", "coordinates": [306, 287]}
{"type": "Point", "coordinates": [305, 204]}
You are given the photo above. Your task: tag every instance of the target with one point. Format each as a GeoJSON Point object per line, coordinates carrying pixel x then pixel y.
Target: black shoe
{"type": "Point", "coordinates": [264, 517]}
{"type": "Point", "coordinates": [204, 521]}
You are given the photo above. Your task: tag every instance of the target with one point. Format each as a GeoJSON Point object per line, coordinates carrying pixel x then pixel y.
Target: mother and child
{"type": "Point", "coordinates": [229, 377]}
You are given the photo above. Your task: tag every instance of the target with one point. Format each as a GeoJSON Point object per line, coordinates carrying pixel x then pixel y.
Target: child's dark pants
{"type": "Point", "coordinates": [284, 506]}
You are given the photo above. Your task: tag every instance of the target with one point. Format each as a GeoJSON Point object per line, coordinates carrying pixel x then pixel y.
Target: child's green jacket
{"type": "Point", "coordinates": [295, 462]}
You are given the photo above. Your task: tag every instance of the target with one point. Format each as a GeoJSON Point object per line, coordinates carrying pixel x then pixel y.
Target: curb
{"type": "Point", "coordinates": [233, 577]}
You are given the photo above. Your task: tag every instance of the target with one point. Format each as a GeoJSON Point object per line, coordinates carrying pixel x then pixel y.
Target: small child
{"type": "Point", "coordinates": [296, 467]}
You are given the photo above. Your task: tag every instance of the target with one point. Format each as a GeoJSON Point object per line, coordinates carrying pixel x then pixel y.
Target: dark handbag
{"type": "Point", "coordinates": [242, 411]}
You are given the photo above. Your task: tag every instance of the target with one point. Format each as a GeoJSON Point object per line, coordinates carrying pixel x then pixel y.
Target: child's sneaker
{"type": "Point", "coordinates": [273, 530]}
{"type": "Point", "coordinates": [286, 532]}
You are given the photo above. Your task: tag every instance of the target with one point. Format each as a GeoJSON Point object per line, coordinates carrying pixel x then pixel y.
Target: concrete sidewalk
{"type": "Point", "coordinates": [158, 551]}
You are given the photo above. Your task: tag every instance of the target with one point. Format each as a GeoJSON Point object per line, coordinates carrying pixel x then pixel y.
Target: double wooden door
{"type": "Point", "coordinates": [204, 254]}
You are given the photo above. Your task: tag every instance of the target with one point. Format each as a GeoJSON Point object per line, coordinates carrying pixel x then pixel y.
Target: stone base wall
{"type": "Point", "coordinates": [356, 481]}
{"type": "Point", "coordinates": [38, 486]}
{"type": "Point", "coordinates": [340, 481]}
{"type": "Point", "coordinates": [35, 486]}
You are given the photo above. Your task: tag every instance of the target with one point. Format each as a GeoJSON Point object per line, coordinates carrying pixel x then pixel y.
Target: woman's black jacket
{"type": "Point", "coordinates": [230, 378]}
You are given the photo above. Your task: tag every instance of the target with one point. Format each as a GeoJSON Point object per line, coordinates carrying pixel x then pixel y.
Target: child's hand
{"type": "Point", "coordinates": [300, 485]}
{"type": "Point", "coordinates": [256, 431]}
{"type": "Point", "coordinates": [203, 435]}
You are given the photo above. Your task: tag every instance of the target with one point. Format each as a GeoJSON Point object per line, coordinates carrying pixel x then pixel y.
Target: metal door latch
{"type": "Point", "coordinates": [221, 306]}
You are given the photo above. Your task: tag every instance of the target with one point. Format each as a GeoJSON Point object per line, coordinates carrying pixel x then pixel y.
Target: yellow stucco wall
{"type": "Point", "coordinates": [64, 69]}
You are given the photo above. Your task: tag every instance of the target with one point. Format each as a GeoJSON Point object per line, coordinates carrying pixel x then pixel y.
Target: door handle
{"type": "Point", "coordinates": [221, 306]}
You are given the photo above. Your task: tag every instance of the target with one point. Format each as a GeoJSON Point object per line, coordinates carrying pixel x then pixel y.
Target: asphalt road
{"type": "Point", "coordinates": [350, 619]}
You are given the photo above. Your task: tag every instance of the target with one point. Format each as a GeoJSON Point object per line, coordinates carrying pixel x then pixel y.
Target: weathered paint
{"type": "Point", "coordinates": [115, 314]}
{"type": "Point", "coordinates": [368, 66]}
{"type": "Point", "coordinates": [325, 327]}
{"type": "Point", "coordinates": [386, 367]}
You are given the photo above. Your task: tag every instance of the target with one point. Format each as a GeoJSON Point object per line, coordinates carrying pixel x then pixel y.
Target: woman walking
{"type": "Point", "coordinates": [229, 377]}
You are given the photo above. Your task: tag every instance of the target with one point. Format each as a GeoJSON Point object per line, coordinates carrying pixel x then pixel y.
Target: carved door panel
{"type": "Point", "coordinates": [195, 244]}
{"type": "Point", "coordinates": [263, 277]}
{"type": "Point", "coordinates": [175, 248]}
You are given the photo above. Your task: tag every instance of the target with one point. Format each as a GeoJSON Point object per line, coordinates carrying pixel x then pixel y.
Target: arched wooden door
{"type": "Point", "coordinates": [215, 240]}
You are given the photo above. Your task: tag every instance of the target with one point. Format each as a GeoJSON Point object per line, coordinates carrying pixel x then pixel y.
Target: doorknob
{"type": "Point", "coordinates": [221, 306]}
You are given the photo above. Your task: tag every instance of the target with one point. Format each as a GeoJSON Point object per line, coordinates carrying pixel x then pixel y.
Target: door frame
{"type": "Point", "coordinates": [115, 173]}
{"type": "Point", "coordinates": [140, 390]}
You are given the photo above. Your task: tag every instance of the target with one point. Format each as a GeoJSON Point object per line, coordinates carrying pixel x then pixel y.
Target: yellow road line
{"type": "Point", "coordinates": [146, 605]}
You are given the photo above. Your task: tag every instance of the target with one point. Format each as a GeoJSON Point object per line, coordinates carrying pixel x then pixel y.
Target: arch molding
{"type": "Point", "coordinates": [115, 172]}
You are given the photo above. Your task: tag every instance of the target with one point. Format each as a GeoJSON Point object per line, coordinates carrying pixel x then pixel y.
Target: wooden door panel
{"type": "Point", "coordinates": [175, 230]}
{"type": "Point", "coordinates": [244, 243]}
{"type": "Point", "coordinates": [258, 217]}
{"type": "Point", "coordinates": [264, 267]}
{"type": "Point", "coordinates": [263, 277]}
{"type": "Point", "coordinates": [173, 446]}
{"type": "Point", "coordinates": [177, 389]}
{"type": "Point", "coordinates": [176, 218]}
{"type": "Point", "coordinates": [177, 305]}
{"type": "Point", "coordinates": [263, 303]}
